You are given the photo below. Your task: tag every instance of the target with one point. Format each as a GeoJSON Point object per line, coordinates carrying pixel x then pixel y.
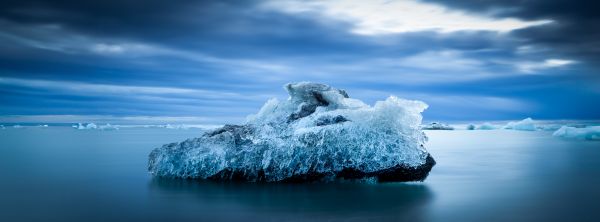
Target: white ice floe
{"type": "Point", "coordinates": [108, 127]}
{"type": "Point", "coordinates": [177, 126]}
{"type": "Point", "coordinates": [587, 133]}
{"type": "Point", "coordinates": [437, 126]}
{"type": "Point", "coordinates": [88, 126]}
{"type": "Point", "coordinates": [525, 125]}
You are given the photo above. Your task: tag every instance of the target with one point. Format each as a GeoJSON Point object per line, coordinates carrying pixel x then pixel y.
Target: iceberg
{"type": "Point", "coordinates": [524, 125]}
{"type": "Point", "coordinates": [487, 126]}
{"type": "Point", "coordinates": [85, 126]}
{"type": "Point", "coordinates": [549, 127]}
{"type": "Point", "coordinates": [318, 134]}
{"type": "Point", "coordinates": [108, 127]}
{"type": "Point", "coordinates": [471, 127]}
{"type": "Point", "coordinates": [587, 133]}
{"type": "Point", "coordinates": [180, 126]}
{"type": "Point", "coordinates": [437, 126]}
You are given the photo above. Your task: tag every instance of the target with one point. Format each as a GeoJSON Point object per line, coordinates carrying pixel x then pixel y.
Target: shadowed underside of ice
{"type": "Point", "coordinates": [318, 133]}
{"type": "Point", "coordinates": [587, 133]}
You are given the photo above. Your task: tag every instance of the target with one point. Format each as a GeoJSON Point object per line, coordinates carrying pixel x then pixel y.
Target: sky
{"type": "Point", "coordinates": [219, 61]}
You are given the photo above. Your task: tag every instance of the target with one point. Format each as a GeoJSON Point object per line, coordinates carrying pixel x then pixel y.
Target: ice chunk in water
{"type": "Point", "coordinates": [318, 133]}
{"type": "Point", "coordinates": [525, 125]}
{"type": "Point", "coordinates": [85, 126]}
{"type": "Point", "coordinates": [108, 127]}
{"type": "Point", "coordinates": [587, 133]}
{"type": "Point", "coordinates": [437, 126]}
{"type": "Point", "coordinates": [487, 126]}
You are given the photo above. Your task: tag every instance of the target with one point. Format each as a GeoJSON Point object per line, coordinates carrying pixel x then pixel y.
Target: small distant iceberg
{"type": "Point", "coordinates": [108, 127]}
{"type": "Point", "coordinates": [189, 126]}
{"type": "Point", "coordinates": [437, 126]}
{"type": "Point", "coordinates": [88, 126]}
{"type": "Point", "coordinates": [178, 126]}
{"type": "Point", "coordinates": [523, 125]}
{"type": "Point", "coordinates": [318, 133]}
{"type": "Point", "coordinates": [487, 126]}
{"type": "Point", "coordinates": [93, 126]}
{"type": "Point", "coordinates": [549, 127]}
{"type": "Point", "coordinates": [471, 127]}
{"type": "Point", "coordinates": [587, 133]}
{"type": "Point", "coordinates": [26, 126]}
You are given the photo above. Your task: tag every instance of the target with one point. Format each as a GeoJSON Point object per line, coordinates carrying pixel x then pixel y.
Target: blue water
{"type": "Point", "coordinates": [63, 174]}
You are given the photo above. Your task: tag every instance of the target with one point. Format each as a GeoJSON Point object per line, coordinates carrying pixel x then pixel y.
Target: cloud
{"type": "Point", "coordinates": [445, 60]}
{"type": "Point", "coordinates": [478, 106]}
{"type": "Point", "coordinates": [570, 35]}
{"type": "Point", "coordinates": [534, 67]}
{"type": "Point", "coordinates": [480, 103]}
{"type": "Point", "coordinates": [107, 89]}
{"type": "Point", "coordinates": [389, 17]}
{"type": "Point", "coordinates": [106, 48]}
{"type": "Point", "coordinates": [227, 57]}
{"type": "Point", "coordinates": [34, 96]}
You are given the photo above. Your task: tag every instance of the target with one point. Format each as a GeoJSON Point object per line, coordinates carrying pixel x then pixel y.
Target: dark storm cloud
{"type": "Point", "coordinates": [127, 17]}
{"type": "Point", "coordinates": [223, 29]}
{"type": "Point", "coordinates": [530, 9]}
{"type": "Point", "coordinates": [55, 56]}
{"type": "Point", "coordinates": [574, 33]}
{"type": "Point", "coordinates": [220, 27]}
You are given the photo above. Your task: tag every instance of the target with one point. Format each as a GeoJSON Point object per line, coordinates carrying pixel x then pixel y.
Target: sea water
{"type": "Point", "coordinates": [64, 174]}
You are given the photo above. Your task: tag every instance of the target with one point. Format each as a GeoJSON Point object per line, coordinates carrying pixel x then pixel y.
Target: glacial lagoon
{"type": "Point", "coordinates": [63, 174]}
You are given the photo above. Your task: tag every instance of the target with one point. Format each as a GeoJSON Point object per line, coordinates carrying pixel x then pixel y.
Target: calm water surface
{"type": "Point", "coordinates": [62, 174]}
